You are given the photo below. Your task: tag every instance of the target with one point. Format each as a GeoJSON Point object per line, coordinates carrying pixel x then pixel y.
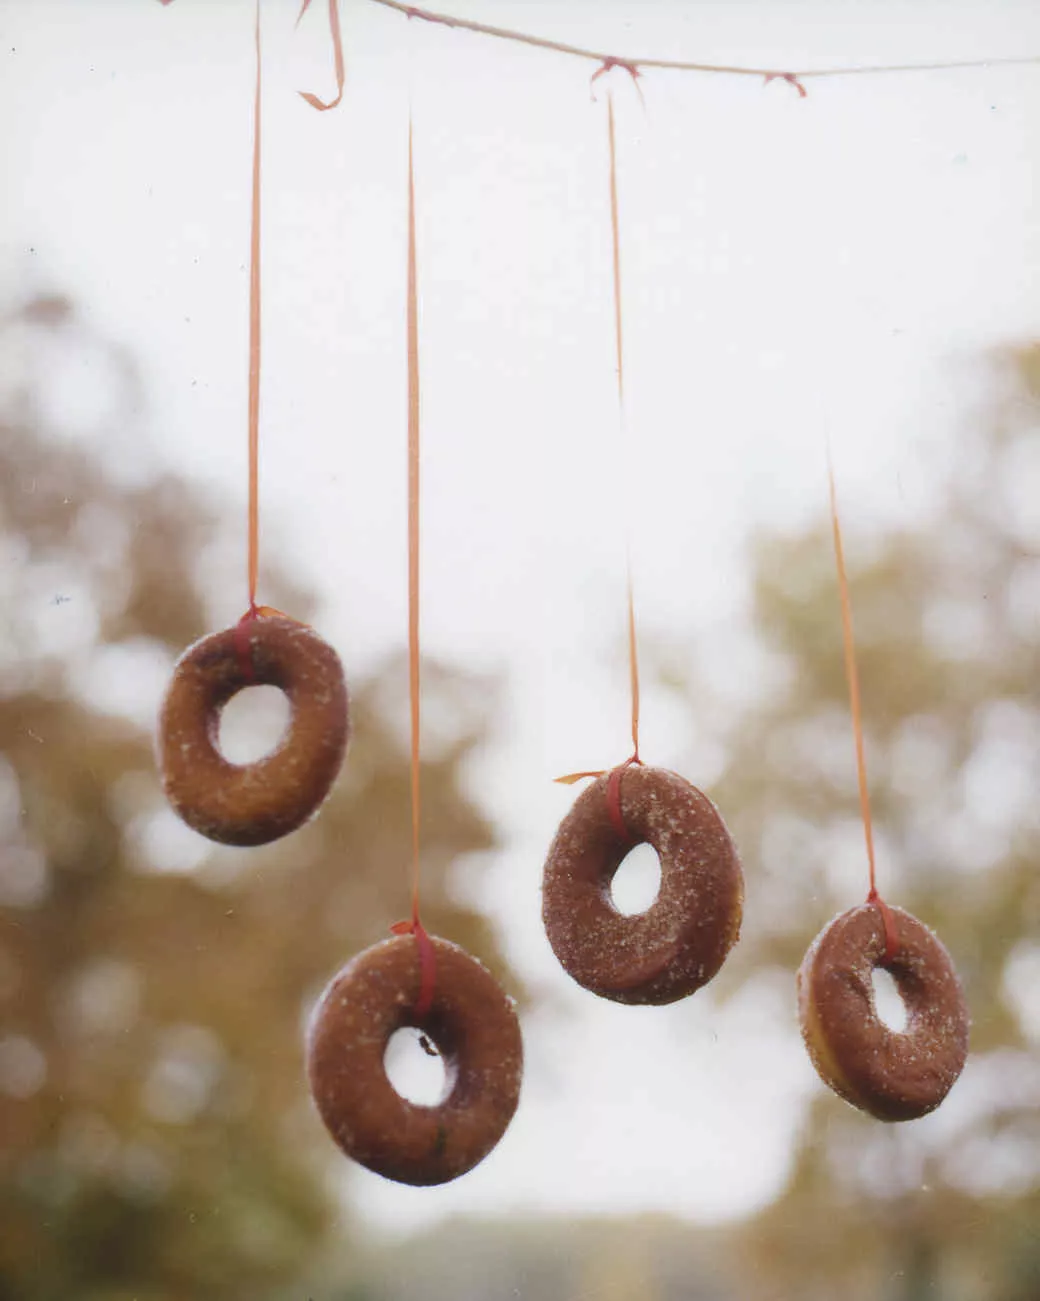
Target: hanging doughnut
{"type": "Point", "coordinates": [472, 1023]}
{"type": "Point", "coordinates": [680, 942]}
{"type": "Point", "coordinates": [891, 1075]}
{"type": "Point", "coordinates": [251, 804]}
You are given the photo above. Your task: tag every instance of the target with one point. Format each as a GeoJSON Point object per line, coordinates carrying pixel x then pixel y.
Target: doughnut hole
{"type": "Point", "coordinates": [415, 1068]}
{"type": "Point", "coordinates": [253, 723]}
{"type": "Point", "coordinates": [888, 1002]}
{"type": "Point", "coordinates": [637, 882]}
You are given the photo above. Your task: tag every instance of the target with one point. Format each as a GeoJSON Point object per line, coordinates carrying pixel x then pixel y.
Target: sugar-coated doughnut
{"type": "Point", "coordinates": [251, 804]}
{"type": "Point", "coordinates": [681, 940]}
{"type": "Point", "coordinates": [892, 1075]}
{"type": "Point", "coordinates": [473, 1024]}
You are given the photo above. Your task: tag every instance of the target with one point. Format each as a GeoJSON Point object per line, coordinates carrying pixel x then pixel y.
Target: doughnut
{"type": "Point", "coordinates": [251, 804]}
{"type": "Point", "coordinates": [472, 1023]}
{"type": "Point", "coordinates": [890, 1075]}
{"type": "Point", "coordinates": [681, 940]}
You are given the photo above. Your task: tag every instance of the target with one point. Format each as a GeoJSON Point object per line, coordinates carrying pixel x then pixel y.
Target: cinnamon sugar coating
{"type": "Point", "coordinates": [680, 942]}
{"type": "Point", "coordinates": [889, 1074]}
{"type": "Point", "coordinates": [473, 1024]}
{"type": "Point", "coordinates": [252, 804]}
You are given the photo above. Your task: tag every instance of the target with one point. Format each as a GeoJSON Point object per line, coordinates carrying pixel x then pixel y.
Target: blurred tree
{"type": "Point", "coordinates": [557, 1258]}
{"type": "Point", "coordinates": [156, 1138]}
{"type": "Point", "coordinates": [948, 637]}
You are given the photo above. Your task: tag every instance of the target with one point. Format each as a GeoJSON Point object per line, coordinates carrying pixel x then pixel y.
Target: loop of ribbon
{"type": "Point", "coordinates": [337, 55]}
{"type": "Point", "coordinates": [889, 923]}
{"type": "Point", "coordinates": [427, 963]}
{"type": "Point", "coordinates": [613, 793]}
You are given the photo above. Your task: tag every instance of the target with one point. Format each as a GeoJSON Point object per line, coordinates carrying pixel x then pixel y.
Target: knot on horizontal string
{"type": "Point", "coordinates": [412, 11]}
{"type": "Point", "coordinates": [790, 77]}
{"type": "Point", "coordinates": [427, 963]}
{"type": "Point", "coordinates": [629, 66]}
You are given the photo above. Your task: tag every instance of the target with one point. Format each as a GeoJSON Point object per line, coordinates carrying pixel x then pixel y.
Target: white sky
{"type": "Point", "coordinates": [789, 266]}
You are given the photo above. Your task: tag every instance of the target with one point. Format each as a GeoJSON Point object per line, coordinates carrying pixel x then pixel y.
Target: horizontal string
{"type": "Point", "coordinates": [634, 65]}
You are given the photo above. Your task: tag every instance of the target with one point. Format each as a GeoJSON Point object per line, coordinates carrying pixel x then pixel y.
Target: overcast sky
{"type": "Point", "coordinates": [791, 267]}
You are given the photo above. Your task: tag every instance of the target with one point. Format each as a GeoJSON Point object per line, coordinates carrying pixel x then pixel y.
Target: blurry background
{"type": "Point", "coordinates": [857, 265]}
